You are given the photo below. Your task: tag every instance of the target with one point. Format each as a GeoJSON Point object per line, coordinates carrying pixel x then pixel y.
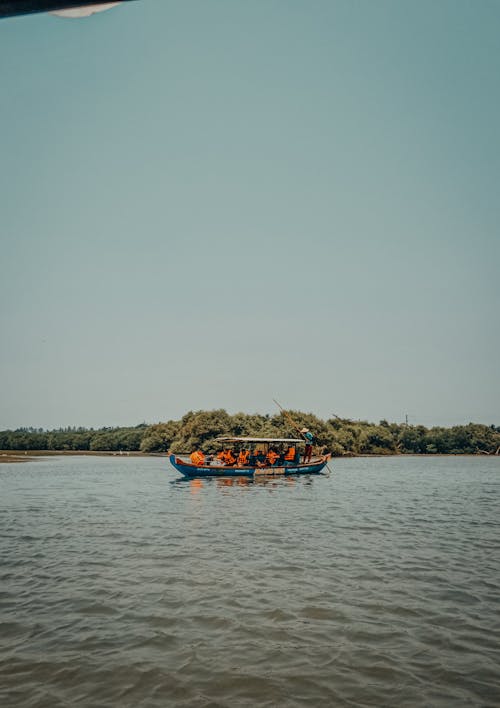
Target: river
{"type": "Point", "coordinates": [123, 585]}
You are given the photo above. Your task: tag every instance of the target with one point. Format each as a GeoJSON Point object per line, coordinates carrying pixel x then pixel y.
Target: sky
{"type": "Point", "coordinates": [213, 204]}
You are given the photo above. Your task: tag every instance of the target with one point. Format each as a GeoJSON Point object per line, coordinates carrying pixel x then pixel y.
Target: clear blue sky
{"type": "Point", "coordinates": [211, 204]}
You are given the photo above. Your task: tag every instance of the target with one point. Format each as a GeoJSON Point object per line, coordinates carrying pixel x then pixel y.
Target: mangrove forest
{"type": "Point", "coordinates": [197, 430]}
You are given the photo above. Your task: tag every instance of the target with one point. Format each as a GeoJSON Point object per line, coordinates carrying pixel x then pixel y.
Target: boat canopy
{"type": "Point", "coordinates": [10, 8]}
{"type": "Point", "coordinates": [261, 440]}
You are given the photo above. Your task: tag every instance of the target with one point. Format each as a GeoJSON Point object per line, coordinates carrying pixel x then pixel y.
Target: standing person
{"type": "Point", "coordinates": [309, 438]}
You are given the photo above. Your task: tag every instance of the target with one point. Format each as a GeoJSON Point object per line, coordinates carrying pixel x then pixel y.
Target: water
{"type": "Point", "coordinates": [377, 586]}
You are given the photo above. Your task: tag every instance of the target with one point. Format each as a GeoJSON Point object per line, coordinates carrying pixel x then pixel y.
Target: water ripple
{"type": "Point", "coordinates": [121, 585]}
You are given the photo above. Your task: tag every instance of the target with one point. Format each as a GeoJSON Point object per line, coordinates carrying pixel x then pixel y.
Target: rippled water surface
{"type": "Point", "coordinates": [121, 585]}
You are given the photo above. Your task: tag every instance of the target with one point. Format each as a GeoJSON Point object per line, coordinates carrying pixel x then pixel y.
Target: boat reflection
{"type": "Point", "coordinates": [233, 481]}
{"type": "Point", "coordinates": [261, 480]}
{"type": "Point", "coordinates": [196, 484]}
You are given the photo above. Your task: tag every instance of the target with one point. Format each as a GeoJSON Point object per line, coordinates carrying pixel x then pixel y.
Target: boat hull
{"type": "Point", "coordinates": [190, 471]}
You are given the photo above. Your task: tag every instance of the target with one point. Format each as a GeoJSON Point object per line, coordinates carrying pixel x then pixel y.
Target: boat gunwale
{"type": "Point", "coordinates": [316, 460]}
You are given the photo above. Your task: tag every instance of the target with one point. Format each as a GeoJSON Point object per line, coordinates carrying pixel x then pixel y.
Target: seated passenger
{"type": "Point", "coordinates": [197, 458]}
{"type": "Point", "coordinates": [229, 459]}
{"type": "Point", "coordinates": [260, 458]}
{"type": "Point", "coordinates": [272, 456]}
{"type": "Point", "coordinates": [243, 457]}
{"type": "Point", "coordinates": [290, 455]}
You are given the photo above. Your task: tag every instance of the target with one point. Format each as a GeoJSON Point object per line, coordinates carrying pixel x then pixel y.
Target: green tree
{"type": "Point", "coordinates": [160, 437]}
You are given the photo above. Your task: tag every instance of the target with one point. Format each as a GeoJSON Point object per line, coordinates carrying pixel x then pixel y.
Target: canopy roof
{"type": "Point", "coordinates": [261, 440]}
{"type": "Point", "coordinates": [9, 8]}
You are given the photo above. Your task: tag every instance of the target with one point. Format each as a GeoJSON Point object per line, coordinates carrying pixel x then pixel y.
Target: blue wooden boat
{"type": "Point", "coordinates": [315, 465]}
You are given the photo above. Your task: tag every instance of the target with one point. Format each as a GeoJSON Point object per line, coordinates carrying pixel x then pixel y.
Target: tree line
{"type": "Point", "coordinates": [197, 430]}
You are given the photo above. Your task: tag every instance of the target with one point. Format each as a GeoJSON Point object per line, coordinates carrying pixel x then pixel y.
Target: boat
{"type": "Point", "coordinates": [212, 467]}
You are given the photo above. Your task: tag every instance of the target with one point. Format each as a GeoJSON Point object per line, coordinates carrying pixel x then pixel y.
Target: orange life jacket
{"type": "Point", "coordinates": [197, 457]}
{"type": "Point", "coordinates": [243, 457]}
{"type": "Point", "coordinates": [272, 457]}
{"type": "Point", "coordinates": [290, 454]}
{"type": "Point", "coordinates": [229, 458]}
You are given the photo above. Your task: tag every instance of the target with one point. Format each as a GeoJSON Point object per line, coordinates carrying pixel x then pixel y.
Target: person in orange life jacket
{"type": "Point", "coordinates": [272, 456]}
{"type": "Point", "coordinates": [309, 438]}
{"type": "Point", "coordinates": [243, 457]}
{"type": "Point", "coordinates": [290, 454]}
{"type": "Point", "coordinates": [229, 459]}
{"type": "Point", "coordinates": [197, 457]}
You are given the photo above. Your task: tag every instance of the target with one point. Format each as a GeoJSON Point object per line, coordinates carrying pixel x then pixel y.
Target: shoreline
{"type": "Point", "coordinates": [29, 455]}
{"type": "Point", "coordinates": [10, 456]}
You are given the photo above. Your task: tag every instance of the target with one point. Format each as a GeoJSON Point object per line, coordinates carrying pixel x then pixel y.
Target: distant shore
{"type": "Point", "coordinates": [30, 455]}
{"type": "Point", "coordinates": [27, 455]}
